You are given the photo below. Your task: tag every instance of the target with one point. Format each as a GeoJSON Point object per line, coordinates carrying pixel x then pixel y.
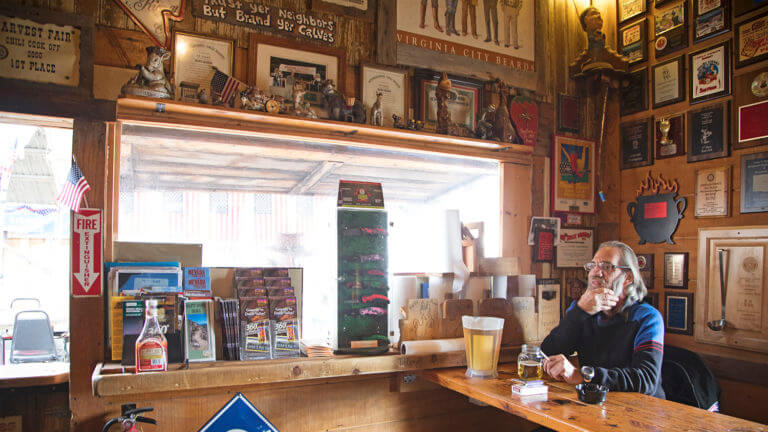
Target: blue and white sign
{"type": "Point", "coordinates": [238, 415]}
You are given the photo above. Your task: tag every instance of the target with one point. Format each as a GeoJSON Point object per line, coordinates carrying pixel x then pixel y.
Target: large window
{"type": "Point", "coordinates": [34, 231]}
{"type": "Point", "coordinates": [257, 202]}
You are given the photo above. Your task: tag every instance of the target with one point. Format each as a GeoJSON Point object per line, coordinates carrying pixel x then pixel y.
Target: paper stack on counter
{"type": "Point", "coordinates": [315, 349]}
{"type": "Point", "coordinates": [527, 388]}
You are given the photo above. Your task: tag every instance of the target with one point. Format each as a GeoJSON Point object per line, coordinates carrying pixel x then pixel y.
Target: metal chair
{"type": "Point", "coordinates": [32, 338]}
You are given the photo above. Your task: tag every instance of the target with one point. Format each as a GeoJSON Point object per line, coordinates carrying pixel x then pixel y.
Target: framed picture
{"type": "Point", "coordinates": [576, 246]}
{"type": "Point", "coordinates": [636, 144]}
{"type": "Point", "coordinates": [668, 82]}
{"type": "Point", "coordinates": [633, 41]}
{"type": "Point", "coordinates": [670, 29]}
{"type": "Point", "coordinates": [676, 270]}
{"type": "Point", "coordinates": [711, 23]}
{"type": "Point", "coordinates": [200, 338]}
{"type": "Point", "coordinates": [645, 262]}
{"type": "Point", "coordinates": [678, 317]}
{"type": "Point", "coordinates": [701, 7]}
{"type": "Point", "coordinates": [273, 63]}
{"type": "Point", "coordinates": [573, 172]}
{"type": "Point", "coordinates": [708, 132]}
{"type": "Point", "coordinates": [573, 287]}
{"type": "Point", "coordinates": [740, 7]}
{"type": "Point", "coordinates": [195, 56]}
{"type": "Point", "coordinates": [391, 83]}
{"type": "Point", "coordinates": [465, 107]}
{"type": "Point", "coordinates": [754, 182]}
{"type": "Point", "coordinates": [544, 246]}
{"type": "Point", "coordinates": [752, 40]}
{"type": "Point", "coordinates": [569, 113]}
{"type": "Point", "coordinates": [652, 298]}
{"type": "Point", "coordinates": [669, 136]}
{"type": "Point", "coordinates": [710, 73]}
{"type": "Point", "coordinates": [751, 123]}
{"type": "Point", "coordinates": [361, 9]}
{"type": "Point", "coordinates": [713, 192]}
{"type": "Point", "coordinates": [634, 92]}
{"type": "Point", "coordinates": [628, 9]}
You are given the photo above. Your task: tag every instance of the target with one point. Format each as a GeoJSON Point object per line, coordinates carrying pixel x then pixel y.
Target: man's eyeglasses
{"type": "Point", "coordinates": [604, 266]}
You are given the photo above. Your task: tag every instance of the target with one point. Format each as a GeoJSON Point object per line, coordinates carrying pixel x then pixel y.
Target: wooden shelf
{"type": "Point", "coordinates": [159, 112]}
{"type": "Point", "coordinates": [108, 380]}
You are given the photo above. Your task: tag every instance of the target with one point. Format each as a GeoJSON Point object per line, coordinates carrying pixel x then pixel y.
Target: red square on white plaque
{"type": "Point", "coordinates": [87, 259]}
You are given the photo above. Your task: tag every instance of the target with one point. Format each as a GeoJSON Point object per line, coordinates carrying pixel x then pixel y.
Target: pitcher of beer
{"type": "Point", "coordinates": [529, 363]}
{"type": "Point", "coordinates": [482, 339]}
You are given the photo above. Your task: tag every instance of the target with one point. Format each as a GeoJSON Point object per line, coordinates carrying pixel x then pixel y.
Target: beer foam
{"type": "Point", "coordinates": [482, 323]}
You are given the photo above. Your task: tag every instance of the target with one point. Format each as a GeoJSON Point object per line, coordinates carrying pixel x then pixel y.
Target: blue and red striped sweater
{"type": "Point", "coordinates": [626, 351]}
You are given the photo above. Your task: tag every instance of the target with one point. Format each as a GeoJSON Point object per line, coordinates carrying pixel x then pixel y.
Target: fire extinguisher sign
{"type": "Point", "coordinates": [87, 260]}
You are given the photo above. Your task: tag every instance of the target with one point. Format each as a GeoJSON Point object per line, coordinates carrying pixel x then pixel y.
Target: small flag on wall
{"type": "Point", "coordinates": [74, 188]}
{"type": "Point", "coordinates": [224, 85]}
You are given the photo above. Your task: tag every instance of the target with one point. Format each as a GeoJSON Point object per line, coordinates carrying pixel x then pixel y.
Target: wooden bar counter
{"type": "Point", "coordinates": [563, 411]}
{"type": "Point", "coordinates": [33, 374]}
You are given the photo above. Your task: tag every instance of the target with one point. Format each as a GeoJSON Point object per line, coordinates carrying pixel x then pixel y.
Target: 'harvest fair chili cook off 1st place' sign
{"type": "Point", "coordinates": [256, 15]}
{"type": "Point", "coordinates": [32, 51]}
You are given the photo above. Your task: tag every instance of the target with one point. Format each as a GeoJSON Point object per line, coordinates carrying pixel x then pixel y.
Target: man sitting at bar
{"type": "Point", "coordinates": [610, 328]}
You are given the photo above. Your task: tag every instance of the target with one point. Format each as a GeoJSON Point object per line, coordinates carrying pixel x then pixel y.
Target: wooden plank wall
{"type": "Point", "coordinates": [739, 398]}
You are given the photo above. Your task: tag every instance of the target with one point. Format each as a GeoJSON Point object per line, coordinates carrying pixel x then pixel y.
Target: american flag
{"type": "Point", "coordinates": [224, 85]}
{"type": "Point", "coordinates": [74, 188]}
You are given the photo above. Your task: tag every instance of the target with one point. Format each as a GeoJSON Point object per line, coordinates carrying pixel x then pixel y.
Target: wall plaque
{"type": "Point", "coordinates": [670, 29]}
{"type": "Point", "coordinates": [752, 41]}
{"type": "Point", "coordinates": [633, 42]}
{"type": "Point", "coordinates": [679, 313]}
{"type": "Point", "coordinates": [708, 132]}
{"type": "Point", "coordinates": [669, 134]}
{"type": "Point", "coordinates": [713, 192]}
{"type": "Point", "coordinates": [40, 52]}
{"type": "Point", "coordinates": [301, 25]}
{"type": "Point", "coordinates": [754, 182]}
{"type": "Point", "coordinates": [576, 247]}
{"type": "Point", "coordinates": [153, 17]}
{"type": "Point", "coordinates": [645, 262]}
{"type": "Point", "coordinates": [668, 82]}
{"type": "Point", "coordinates": [635, 144]}
{"type": "Point", "coordinates": [676, 270]}
{"type": "Point", "coordinates": [634, 92]}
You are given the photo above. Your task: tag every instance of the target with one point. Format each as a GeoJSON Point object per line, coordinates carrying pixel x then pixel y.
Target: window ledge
{"type": "Point", "coordinates": [254, 123]}
{"type": "Point", "coordinates": [108, 380]}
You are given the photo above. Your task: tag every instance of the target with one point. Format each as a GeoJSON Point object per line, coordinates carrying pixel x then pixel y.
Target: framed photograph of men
{"type": "Point", "coordinates": [752, 40]}
{"type": "Point", "coordinates": [573, 175]}
{"type": "Point", "coordinates": [464, 107]}
{"type": "Point", "coordinates": [710, 72]}
{"type": "Point", "coordinates": [636, 150]}
{"type": "Point", "coordinates": [633, 40]}
{"type": "Point", "coordinates": [490, 31]}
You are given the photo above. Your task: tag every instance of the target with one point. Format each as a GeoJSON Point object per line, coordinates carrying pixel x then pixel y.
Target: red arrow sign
{"type": "Point", "coordinates": [86, 253]}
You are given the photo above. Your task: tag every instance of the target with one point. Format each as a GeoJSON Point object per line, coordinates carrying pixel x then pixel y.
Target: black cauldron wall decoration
{"type": "Point", "coordinates": [656, 215]}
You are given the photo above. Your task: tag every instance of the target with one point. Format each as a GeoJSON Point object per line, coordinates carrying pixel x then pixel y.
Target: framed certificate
{"type": "Point", "coordinates": [633, 41]}
{"type": "Point", "coordinates": [710, 73]}
{"type": "Point", "coordinates": [754, 182]}
{"type": "Point", "coordinates": [708, 132]}
{"type": "Point", "coordinates": [645, 262]}
{"type": "Point", "coordinates": [752, 40]}
{"type": "Point", "coordinates": [628, 9]}
{"type": "Point", "coordinates": [634, 92]}
{"type": "Point", "coordinates": [713, 192]}
{"type": "Point", "coordinates": [668, 82]}
{"type": "Point", "coordinates": [678, 317]}
{"type": "Point", "coordinates": [391, 83]}
{"type": "Point", "coordinates": [669, 136]}
{"type": "Point", "coordinates": [195, 56]}
{"type": "Point", "coordinates": [576, 247]}
{"type": "Point", "coordinates": [676, 270]}
{"type": "Point", "coordinates": [573, 175]}
{"type": "Point", "coordinates": [636, 144]}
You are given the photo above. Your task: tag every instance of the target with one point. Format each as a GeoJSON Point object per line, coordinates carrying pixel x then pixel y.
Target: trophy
{"type": "Point", "coordinates": [664, 128]}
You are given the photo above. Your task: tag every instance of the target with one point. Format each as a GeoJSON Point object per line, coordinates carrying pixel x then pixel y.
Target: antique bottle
{"type": "Point", "coordinates": [151, 345]}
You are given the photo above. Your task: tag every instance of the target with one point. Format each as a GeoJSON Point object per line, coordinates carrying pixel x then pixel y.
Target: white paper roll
{"type": "Point", "coordinates": [431, 346]}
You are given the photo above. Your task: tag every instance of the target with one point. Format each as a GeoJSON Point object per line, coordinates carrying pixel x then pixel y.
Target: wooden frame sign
{"type": "Point", "coordinates": [573, 175]}
{"type": "Point", "coordinates": [676, 270]}
{"type": "Point", "coordinates": [713, 192]}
